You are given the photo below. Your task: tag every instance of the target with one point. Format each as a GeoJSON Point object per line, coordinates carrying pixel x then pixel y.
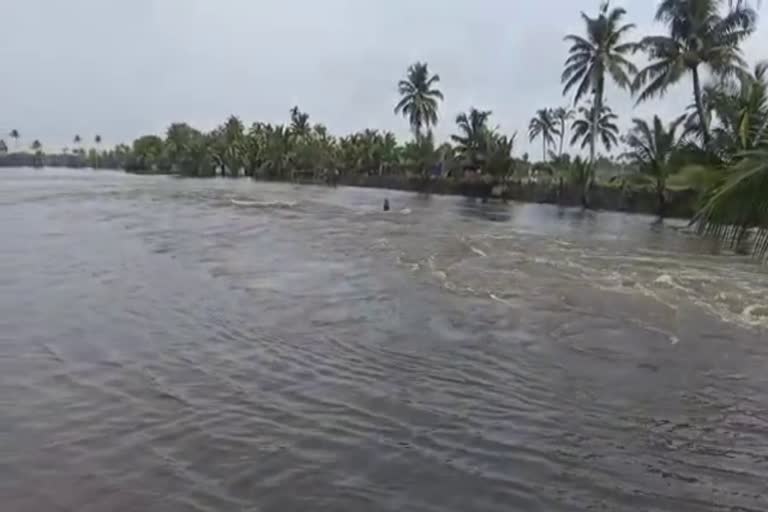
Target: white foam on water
{"type": "Point", "coordinates": [406, 211]}
{"type": "Point", "coordinates": [665, 279]}
{"type": "Point", "coordinates": [263, 204]}
{"type": "Point", "coordinates": [499, 299]}
{"type": "Point", "coordinates": [755, 314]}
{"type": "Point", "coordinates": [478, 252]}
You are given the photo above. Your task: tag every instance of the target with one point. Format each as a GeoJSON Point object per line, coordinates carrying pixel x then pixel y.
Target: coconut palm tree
{"type": "Point", "coordinates": [299, 122]}
{"type": "Point", "coordinates": [543, 125]}
{"type": "Point", "coordinates": [601, 54]}
{"type": "Point", "coordinates": [15, 136]}
{"type": "Point", "coordinates": [562, 115]}
{"type": "Point", "coordinates": [699, 37]}
{"type": "Point", "coordinates": [499, 160]}
{"type": "Point", "coordinates": [471, 143]}
{"type": "Point", "coordinates": [742, 112]}
{"type": "Point", "coordinates": [652, 149]}
{"type": "Point", "coordinates": [605, 129]}
{"type": "Point", "coordinates": [97, 140]}
{"type": "Point", "coordinates": [419, 98]}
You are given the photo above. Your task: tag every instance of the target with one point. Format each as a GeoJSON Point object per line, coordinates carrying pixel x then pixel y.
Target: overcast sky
{"type": "Point", "coordinates": [122, 68]}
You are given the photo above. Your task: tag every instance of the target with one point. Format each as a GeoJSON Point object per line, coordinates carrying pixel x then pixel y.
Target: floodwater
{"type": "Point", "coordinates": [186, 345]}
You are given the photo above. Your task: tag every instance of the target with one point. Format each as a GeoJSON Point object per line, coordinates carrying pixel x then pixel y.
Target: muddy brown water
{"type": "Point", "coordinates": [182, 345]}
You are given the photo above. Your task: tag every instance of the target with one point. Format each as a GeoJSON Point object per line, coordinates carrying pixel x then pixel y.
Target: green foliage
{"type": "Point", "coordinates": [473, 138]}
{"type": "Point", "coordinates": [699, 34]}
{"type": "Point", "coordinates": [419, 98]}
{"type": "Point", "coordinates": [601, 52]}
{"type": "Point", "coordinates": [562, 115]}
{"type": "Point", "coordinates": [653, 151]}
{"type": "Point", "coordinates": [146, 155]}
{"type": "Point", "coordinates": [605, 129]}
{"type": "Point", "coordinates": [544, 126]}
{"type": "Point", "coordinates": [738, 207]}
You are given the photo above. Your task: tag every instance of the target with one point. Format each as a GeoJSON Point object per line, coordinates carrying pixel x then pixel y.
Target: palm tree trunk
{"type": "Point", "coordinates": [700, 107]}
{"type": "Point", "coordinates": [662, 199]}
{"type": "Point", "coordinates": [562, 137]}
{"type": "Point", "coordinates": [543, 148]}
{"type": "Point", "coordinates": [598, 107]}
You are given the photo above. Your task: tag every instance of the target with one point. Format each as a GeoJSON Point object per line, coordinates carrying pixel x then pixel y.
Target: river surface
{"type": "Point", "coordinates": [215, 345]}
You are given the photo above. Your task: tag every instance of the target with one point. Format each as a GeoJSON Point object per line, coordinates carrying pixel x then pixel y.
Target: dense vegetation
{"type": "Point", "coordinates": [718, 146]}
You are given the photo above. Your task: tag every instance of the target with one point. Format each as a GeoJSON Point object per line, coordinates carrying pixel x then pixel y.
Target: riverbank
{"type": "Point", "coordinates": [629, 199]}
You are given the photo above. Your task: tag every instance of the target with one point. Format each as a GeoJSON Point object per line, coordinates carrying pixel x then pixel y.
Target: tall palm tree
{"type": "Point", "coordinates": [97, 140]}
{"type": "Point", "coordinates": [15, 136]}
{"type": "Point", "coordinates": [543, 125]}
{"type": "Point", "coordinates": [36, 145]}
{"type": "Point", "coordinates": [602, 53]}
{"type": "Point", "coordinates": [562, 115]}
{"type": "Point", "coordinates": [699, 36]}
{"type": "Point", "coordinates": [652, 149]}
{"type": "Point", "coordinates": [601, 125]}
{"type": "Point", "coordinates": [419, 98]}
{"type": "Point", "coordinates": [471, 143]}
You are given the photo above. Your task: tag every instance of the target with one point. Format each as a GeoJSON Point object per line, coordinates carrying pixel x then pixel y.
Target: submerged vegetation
{"type": "Point", "coordinates": [717, 148]}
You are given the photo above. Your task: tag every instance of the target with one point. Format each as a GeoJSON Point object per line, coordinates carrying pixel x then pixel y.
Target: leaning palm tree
{"type": "Point", "coordinates": [737, 209]}
{"type": "Point", "coordinates": [601, 54]}
{"type": "Point", "coordinates": [600, 125]}
{"type": "Point", "coordinates": [562, 115]}
{"type": "Point", "coordinates": [543, 126]}
{"type": "Point", "coordinates": [419, 98]}
{"type": "Point", "coordinates": [471, 143]}
{"type": "Point", "coordinates": [699, 37]}
{"type": "Point", "coordinates": [652, 149]}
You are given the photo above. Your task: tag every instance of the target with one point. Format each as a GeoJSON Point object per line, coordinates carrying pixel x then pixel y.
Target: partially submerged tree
{"type": "Point", "coordinates": [652, 150]}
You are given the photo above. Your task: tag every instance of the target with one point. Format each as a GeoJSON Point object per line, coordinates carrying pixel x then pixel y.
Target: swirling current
{"type": "Point", "coordinates": [226, 345]}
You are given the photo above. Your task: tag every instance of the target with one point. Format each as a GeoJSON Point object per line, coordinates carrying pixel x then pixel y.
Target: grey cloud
{"type": "Point", "coordinates": [122, 68]}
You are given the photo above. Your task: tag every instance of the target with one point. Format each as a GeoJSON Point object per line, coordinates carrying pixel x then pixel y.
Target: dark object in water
{"type": "Point", "coordinates": [386, 205]}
